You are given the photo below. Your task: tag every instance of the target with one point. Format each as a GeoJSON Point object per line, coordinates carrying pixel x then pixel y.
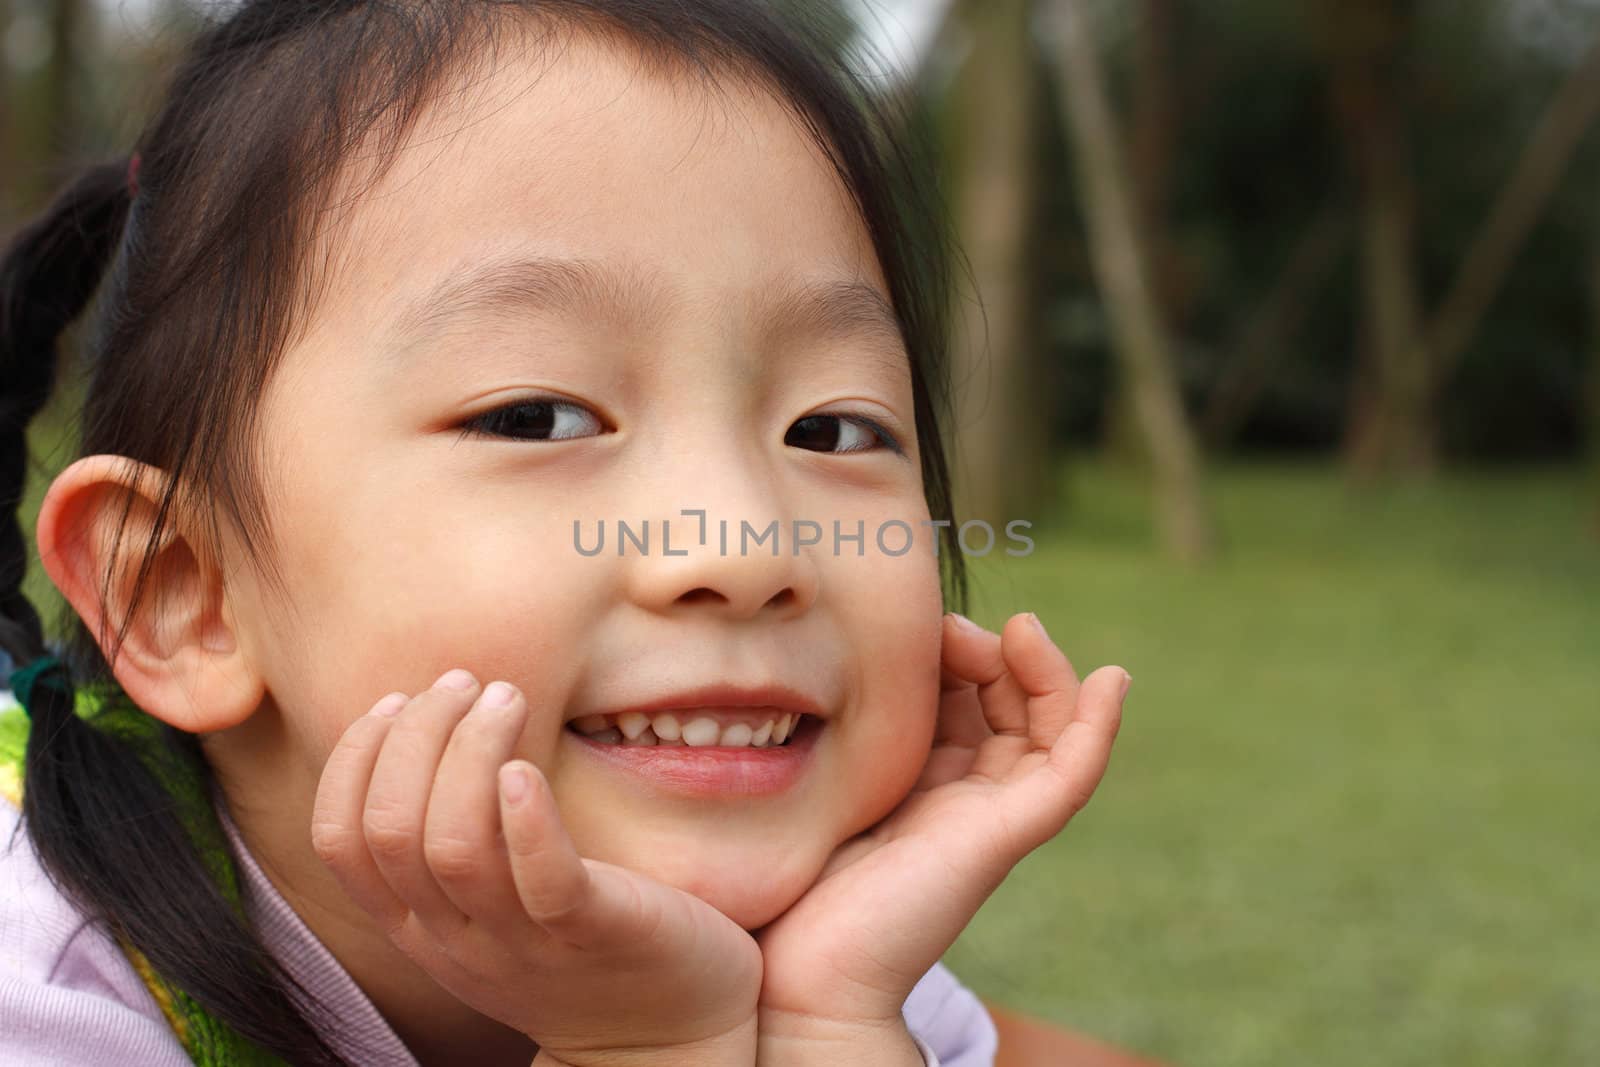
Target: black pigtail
{"type": "Point", "coordinates": [83, 787]}
{"type": "Point", "coordinates": [50, 270]}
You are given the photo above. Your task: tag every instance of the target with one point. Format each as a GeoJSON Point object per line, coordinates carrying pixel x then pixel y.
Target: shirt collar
{"type": "Point", "coordinates": [354, 1025]}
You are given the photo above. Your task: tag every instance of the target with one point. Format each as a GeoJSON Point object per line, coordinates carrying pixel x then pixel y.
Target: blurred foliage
{"type": "Point", "coordinates": [1258, 155]}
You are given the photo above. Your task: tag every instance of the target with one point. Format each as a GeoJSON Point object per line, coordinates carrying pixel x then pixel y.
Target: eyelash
{"type": "Point", "coordinates": [494, 424]}
{"type": "Point", "coordinates": [873, 426]}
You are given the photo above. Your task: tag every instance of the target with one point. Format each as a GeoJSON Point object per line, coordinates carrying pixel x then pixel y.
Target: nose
{"type": "Point", "coordinates": [734, 563]}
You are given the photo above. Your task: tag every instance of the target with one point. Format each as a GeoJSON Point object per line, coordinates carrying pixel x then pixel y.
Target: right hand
{"type": "Point", "coordinates": [418, 818]}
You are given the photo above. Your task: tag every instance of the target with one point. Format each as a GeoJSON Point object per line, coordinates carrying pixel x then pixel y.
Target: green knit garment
{"type": "Point", "coordinates": [208, 1041]}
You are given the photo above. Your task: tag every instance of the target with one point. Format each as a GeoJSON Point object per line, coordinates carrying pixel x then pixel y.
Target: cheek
{"type": "Point", "coordinates": [390, 604]}
{"type": "Point", "coordinates": [895, 610]}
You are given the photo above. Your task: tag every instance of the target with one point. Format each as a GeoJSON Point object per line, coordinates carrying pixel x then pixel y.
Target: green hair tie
{"type": "Point", "coordinates": [47, 670]}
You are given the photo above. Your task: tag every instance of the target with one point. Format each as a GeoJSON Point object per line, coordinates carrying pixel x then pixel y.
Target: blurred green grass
{"type": "Point", "coordinates": [1352, 814]}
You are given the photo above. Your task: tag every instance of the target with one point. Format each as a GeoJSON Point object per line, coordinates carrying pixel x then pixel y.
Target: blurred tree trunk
{"type": "Point", "coordinates": [1410, 355]}
{"type": "Point", "coordinates": [1153, 146]}
{"type": "Point", "coordinates": [1395, 433]}
{"type": "Point", "coordinates": [1003, 466]}
{"type": "Point", "coordinates": [64, 78]}
{"type": "Point", "coordinates": [1139, 334]}
{"type": "Point", "coordinates": [1538, 171]}
{"type": "Point", "coordinates": [56, 129]}
{"type": "Point", "coordinates": [1592, 421]}
{"type": "Point", "coordinates": [10, 150]}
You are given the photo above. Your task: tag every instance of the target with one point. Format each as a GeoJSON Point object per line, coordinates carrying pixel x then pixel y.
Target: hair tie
{"type": "Point", "coordinates": [47, 670]}
{"type": "Point", "coordinates": [133, 175]}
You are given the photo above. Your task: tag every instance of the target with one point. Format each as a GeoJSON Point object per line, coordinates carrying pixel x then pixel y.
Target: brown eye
{"type": "Point", "coordinates": [537, 420]}
{"type": "Point", "coordinates": [840, 434]}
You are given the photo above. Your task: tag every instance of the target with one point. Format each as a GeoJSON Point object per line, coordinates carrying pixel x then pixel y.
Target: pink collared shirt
{"type": "Point", "coordinates": [69, 996]}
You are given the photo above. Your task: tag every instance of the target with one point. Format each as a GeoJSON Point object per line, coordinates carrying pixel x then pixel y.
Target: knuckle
{"type": "Point", "coordinates": [405, 931]}
{"type": "Point", "coordinates": [472, 736]}
{"type": "Point", "coordinates": [388, 834]}
{"type": "Point", "coordinates": [1078, 793]}
{"type": "Point", "coordinates": [652, 915]}
{"type": "Point", "coordinates": [331, 841]}
{"type": "Point", "coordinates": [522, 848]}
{"type": "Point", "coordinates": [555, 901]}
{"type": "Point", "coordinates": [553, 911]}
{"type": "Point", "coordinates": [452, 858]}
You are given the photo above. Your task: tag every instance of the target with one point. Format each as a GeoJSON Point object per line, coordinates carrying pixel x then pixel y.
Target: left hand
{"type": "Point", "coordinates": [1018, 750]}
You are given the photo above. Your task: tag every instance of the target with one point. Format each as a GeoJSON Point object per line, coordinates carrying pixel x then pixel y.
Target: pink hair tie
{"type": "Point", "coordinates": [133, 175]}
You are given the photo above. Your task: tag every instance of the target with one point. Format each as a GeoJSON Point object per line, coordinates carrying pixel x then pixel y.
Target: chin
{"type": "Point", "coordinates": [752, 907]}
{"type": "Point", "coordinates": [750, 886]}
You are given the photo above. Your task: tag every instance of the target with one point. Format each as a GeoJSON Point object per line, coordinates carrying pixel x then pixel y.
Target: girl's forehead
{"type": "Point", "coordinates": [590, 154]}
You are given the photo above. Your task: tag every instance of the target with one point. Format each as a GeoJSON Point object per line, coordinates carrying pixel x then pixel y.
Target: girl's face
{"type": "Point", "coordinates": [680, 268]}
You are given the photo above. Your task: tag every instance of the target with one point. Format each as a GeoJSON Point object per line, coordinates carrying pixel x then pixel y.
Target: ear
{"type": "Point", "coordinates": [181, 660]}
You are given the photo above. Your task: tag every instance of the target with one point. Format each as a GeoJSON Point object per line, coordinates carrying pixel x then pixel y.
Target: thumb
{"type": "Point", "coordinates": [581, 902]}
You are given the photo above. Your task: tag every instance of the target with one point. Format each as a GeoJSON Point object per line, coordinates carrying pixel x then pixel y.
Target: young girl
{"type": "Point", "coordinates": [360, 752]}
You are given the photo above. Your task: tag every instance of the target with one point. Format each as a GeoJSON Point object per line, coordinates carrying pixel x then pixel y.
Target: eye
{"type": "Point", "coordinates": [536, 420]}
{"type": "Point", "coordinates": [826, 433]}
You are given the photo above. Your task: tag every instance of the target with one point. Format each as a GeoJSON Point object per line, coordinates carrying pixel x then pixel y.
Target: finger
{"type": "Point", "coordinates": [960, 719]}
{"type": "Point", "coordinates": [397, 801]}
{"type": "Point", "coordinates": [336, 831]}
{"type": "Point", "coordinates": [969, 655]}
{"type": "Point", "coordinates": [1001, 695]}
{"type": "Point", "coordinates": [1061, 787]}
{"type": "Point", "coordinates": [978, 656]}
{"type": "Point", "coordinates": [1045, 677]}
{"type": "Point", "coordinates": [1030, 702]}
{"type": "Point", "coordinates": [461, 837]}
{"type": "Point", "coordinates": [581, 902]}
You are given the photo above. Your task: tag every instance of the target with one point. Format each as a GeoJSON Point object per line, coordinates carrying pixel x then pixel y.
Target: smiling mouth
{"type": "Point", "coordinates": [740, 727]}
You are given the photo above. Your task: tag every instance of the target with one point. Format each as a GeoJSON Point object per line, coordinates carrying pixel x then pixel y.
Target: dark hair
{"type": "Point", "coordinates": [203, 278]}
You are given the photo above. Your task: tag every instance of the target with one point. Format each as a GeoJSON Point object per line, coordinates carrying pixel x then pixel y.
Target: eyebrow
{"type": "Point", "coordinates": [840, 310]}
{"type": "Point", "coordinates": [524, 284]}
{"type": "Point", "coordinates": [831, 309]}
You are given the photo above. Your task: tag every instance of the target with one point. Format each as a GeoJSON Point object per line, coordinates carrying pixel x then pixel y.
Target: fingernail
{"type": "Point", "coordinates": [1127, 680]}
{"type": "Point", "coordinates": [513, 784]}
{"type": "Point", "coordinates": [454, 679]}
{"type": "Point", "coordinates": [498, 695]}
{"type": "Point", "coordinates": [965, 623]}
{"type": "Point", "coordinates": [390, 705]}
{"type": "Point", "coordinates": [1038, 625]}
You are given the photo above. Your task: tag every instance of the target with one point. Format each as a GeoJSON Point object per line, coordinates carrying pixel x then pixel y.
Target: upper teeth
{"type": "Point", "coordinates": [684, 728]}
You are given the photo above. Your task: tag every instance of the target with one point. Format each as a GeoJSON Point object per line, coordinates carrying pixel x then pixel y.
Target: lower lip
{"type": "Point", "coordinates": [712, 771]}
